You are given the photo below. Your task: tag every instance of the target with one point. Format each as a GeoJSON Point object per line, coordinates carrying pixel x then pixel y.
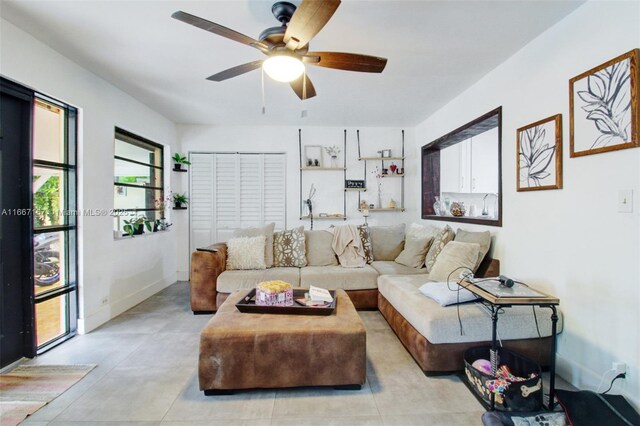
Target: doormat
{"type": "Point", "coordinates": [27, 388]}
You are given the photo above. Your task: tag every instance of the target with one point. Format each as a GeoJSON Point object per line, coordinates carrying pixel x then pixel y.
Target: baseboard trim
{"type": "Point", "coordinates": [586, 379]}
{"type": "Point", "coordinates": [112, 310]}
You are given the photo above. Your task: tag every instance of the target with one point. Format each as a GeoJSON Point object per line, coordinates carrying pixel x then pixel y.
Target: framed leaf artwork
{"type": "Point", "coordinates": [603, 107]}
{"type": "Point", "coordinates": [539, 162]}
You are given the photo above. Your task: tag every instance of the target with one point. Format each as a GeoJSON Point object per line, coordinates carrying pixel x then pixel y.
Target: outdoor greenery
{"type": "Point", "coordinates": [46, 202]}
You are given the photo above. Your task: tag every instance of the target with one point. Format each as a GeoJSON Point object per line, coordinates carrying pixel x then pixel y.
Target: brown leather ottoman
{"type": "Point", "coordinates": [247, 351]}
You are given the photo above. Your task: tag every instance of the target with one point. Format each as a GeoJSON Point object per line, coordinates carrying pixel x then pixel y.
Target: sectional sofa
{"type": "Point", "coordinates": [434, 335]}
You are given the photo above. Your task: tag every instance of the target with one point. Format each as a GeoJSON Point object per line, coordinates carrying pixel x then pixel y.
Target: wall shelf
{"type": "Point", "coordinates": [322, 168]}
{"type": "Point", "coordinates": [179, 208]}
{"type": "Point", "coordinates": [381, 158]}
{"type": "Point", "coordinates": [356, 189]}
{"type": "Point", "coordinates": [343, 169]}
{"type": "Point", "coordinates": [386, 209]}
{"type": "Point", "coordinates": [180, 171]}
{"type": "Point", "coordinates": [382, 161]}
{"type": "Point", "coordinates": [334, 217]}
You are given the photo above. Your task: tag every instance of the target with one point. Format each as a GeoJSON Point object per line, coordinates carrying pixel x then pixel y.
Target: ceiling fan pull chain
{"type": "Point", "coordinates": [264, 108]}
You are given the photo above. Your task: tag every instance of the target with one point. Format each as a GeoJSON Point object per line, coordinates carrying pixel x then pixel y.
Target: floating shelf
{"type": "Point", "coordinates": [392, 175]}
{"type": "Point", "coordinates": [334, 217]}
{"type": "Point", "coordinates": [179, 208]}
{"type": "Point", "coordinates": [386, 209]}
{"type": "Point", "coordinates": [380, 158]}
{"type": "Point", "coordinates": [356, 189]}
{"type": "Point", "coordinates": [323, 168]}
{"type": "Point", "coordinates": [180, 171]}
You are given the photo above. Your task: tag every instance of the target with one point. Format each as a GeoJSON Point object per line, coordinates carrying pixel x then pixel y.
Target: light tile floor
{"type": "Point", "coordinates": [147, 375]}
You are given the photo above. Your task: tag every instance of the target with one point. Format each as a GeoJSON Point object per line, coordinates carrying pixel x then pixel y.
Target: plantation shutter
{"type": "Point", "coordinates": [226, 188]}
{"type": "Point", "coordinates": [274, 190]}
{"type": "Point", "coordinates": [201, 200]}
{"type": "Point", "coordinates": [233, 191]}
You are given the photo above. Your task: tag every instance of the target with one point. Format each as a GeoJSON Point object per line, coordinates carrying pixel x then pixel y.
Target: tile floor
{"type": "Point", "coordinates": [146, 375]}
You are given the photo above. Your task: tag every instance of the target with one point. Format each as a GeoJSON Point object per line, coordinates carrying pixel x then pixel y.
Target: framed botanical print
{"type": "Point", "coordinates": [603, 107]}
{"type": "Point", "coordinates": [539, 155]}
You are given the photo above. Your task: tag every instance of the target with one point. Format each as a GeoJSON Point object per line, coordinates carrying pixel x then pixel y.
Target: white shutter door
{"type": "Point", "coordinates": [274, 193]}
{"type": "Point", "coordinates": [225, 200]}
{"type": "Point", "coordinates": [201, 200]}
{"type": "Point", "coordinates": [250, 190]}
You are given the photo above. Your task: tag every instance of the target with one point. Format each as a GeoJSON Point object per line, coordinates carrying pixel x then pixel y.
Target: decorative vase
{"type": "Point", "coordinates": [436, 206]}
{"type": "Point", "coordinates": [379, 206]}
{"type": "Point", "coordinates": [392, 204]}
{"type": "Point", "coordinates": [178, 205]}
{"type": "Point", "coordinates": [458, 209]}
{"type": "Point", "coordinates": [334, 161]}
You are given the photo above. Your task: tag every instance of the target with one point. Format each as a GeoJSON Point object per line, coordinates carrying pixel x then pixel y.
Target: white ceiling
{"type": "Point", "coordinates": [436, 49]}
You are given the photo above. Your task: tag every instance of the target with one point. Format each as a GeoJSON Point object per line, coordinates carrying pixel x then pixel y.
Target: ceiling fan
{"type": "Point", "coordinates": [287, 46]}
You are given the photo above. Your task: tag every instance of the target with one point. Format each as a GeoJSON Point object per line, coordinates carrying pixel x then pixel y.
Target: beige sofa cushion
{"type": "Point", "coordinates": [415, 251]}
{"type": "Point", "coordinates": [389, 267]}
{"type": "Point", "coordinates": [289, 248]}
{"type": "Point", "coordinates": [334, 277]}
{"type": "Point", "coordinates": [246, 253]}
{"type": "Point", "coordinates": [441, 240]}
{"type": "Point", "coordinates": [440, 324]}
{"type": "Point", "coordinates": [481, 238]}
{"type": "Point", "coordinates": [454, 255]}
{"type": "Point", "coordinates": [267, 231]}
{"type": "Point", "coordinates": [230, 281]}
{"type": "Point", "coordinates": [387, 241]}
{"type": "Point", "coordinates": [319, 251]}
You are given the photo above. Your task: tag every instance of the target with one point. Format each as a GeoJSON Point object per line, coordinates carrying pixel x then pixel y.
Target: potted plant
{"type": "Point", "coordinates": [136, 225]}
{"type": "Point", "coordinates": [179, 200]}
{"type": "Point", "coordinates": [178, 161]}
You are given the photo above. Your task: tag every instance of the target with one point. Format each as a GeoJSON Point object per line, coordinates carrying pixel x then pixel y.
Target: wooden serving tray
{"type": "Point", "coordinates": [248, 305]}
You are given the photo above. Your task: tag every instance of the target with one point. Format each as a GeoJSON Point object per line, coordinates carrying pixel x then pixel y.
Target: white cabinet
{"type": "Point", "coordinates": [484, 162]}
{"type": "Point", "coordinates": [471, 166]}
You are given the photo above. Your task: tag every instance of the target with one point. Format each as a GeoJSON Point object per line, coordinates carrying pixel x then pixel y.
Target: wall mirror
{"type": "Point", "coordinates": [462, 173]}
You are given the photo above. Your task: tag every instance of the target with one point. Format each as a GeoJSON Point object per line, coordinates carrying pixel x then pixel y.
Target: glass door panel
{"type": "Point", "coordinates": [54, 222]}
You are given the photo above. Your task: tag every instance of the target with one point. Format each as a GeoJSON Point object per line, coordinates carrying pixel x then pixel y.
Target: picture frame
{"type": "Point", "coordinates": [539, 155]}
{"type": "Point", "coordinates": [354, 184]}
{"type": "Point", "coordinates": [313, 153]}
{"type": "Point", "coordinates": [603, 107]}
{"type": "Point", "coordinates": [385, 153]}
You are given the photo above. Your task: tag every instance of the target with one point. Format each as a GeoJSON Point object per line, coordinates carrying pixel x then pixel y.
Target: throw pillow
{"type": "Point", "coordinates": [453, 256]}
{"type": "Point", "coordinates": [267, 231]}
{"type": "Point", "coordinates": [246, 253]}
{"type": "Point", "coordinates": [481, 238]}
{"type": "Point", "coordinates": [365, 237]}
{"type": "Point", "coordinates": [443, 237]}
{"type": "Point", "coordinates": [445, 294]}
{"type": "Point", "coordinates": [422, 231]}
{"type": "Point", "coordinates": [319, 250]}
{"type": "Point", "coordinates": [415, 251]}
{"type": "Point", "coordinates": [387, 241]}
{"type": "Point", "coordinates": [288, 248]}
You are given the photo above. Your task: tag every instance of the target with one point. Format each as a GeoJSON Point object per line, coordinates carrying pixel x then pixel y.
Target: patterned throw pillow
{"type": "Point", "coordinates": [365, 237]}
{"type": "Point", "coordinates": [246, 253]}
{"type": "Point", "coordinates": [438, 244]}
{"type": "Point", "coordinates": [288, 248]}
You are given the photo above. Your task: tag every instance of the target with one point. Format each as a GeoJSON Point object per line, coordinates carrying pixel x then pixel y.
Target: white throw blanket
{"type": "Point", "coordinates": [348, 246]}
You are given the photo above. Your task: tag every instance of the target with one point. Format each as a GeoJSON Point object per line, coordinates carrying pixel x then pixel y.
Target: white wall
{"type": "Point", "coordinates": [571, 242]}
{"type": "Point", "coordinates": [114, 275]}
{"type": "Point", "coordinates": [329, 185]}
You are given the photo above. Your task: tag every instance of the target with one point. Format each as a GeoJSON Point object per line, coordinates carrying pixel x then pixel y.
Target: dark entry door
{"type": "Point", "coordinates": [17, 338]}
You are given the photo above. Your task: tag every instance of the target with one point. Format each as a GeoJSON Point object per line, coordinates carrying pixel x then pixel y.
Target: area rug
{"type": "Point", "coordinates": [27, 388]}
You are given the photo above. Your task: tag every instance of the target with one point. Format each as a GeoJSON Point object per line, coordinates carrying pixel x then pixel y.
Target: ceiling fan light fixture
{"type": "Point", "coordinates": [283, 68]}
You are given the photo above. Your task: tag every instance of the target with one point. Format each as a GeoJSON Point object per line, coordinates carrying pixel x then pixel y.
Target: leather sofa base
{"type": "Point", "coordinates": [448, 357]}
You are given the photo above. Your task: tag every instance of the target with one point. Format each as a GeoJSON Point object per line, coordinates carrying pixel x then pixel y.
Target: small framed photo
{"type": "Point", "coordinates": [312, 156]}
{"type": "Point", "coordinates": [539, 155]}
{"type": "Point", "coordinates": [385, 153]}
{"type": "Point", "coordinates": [603, 107]}
{"type": "Point", "coordinates": [354, 184]}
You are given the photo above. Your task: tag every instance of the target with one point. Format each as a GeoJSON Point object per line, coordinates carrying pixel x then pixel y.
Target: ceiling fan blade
{"type": "Point", "coordinates": [235, 71]}
{"type": "Point", "coordinates": [307, 21]}
{"type": "Point", "coordinates": [306, 90]}
{"type": "Point", "coordinates": [346, 61]}
{"type": "Point", "coordinates": [214, 28]}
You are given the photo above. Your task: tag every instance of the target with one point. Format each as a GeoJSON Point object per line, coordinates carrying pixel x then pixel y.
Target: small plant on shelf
{"type": "Point", "coordinates": [179, 160]}
{"type": "Point", "coordinates": [333, 152]}
{"type": "Point", "coordinates": [135, 226]}
{"type": "Point", "coordinates": [178, 200]}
